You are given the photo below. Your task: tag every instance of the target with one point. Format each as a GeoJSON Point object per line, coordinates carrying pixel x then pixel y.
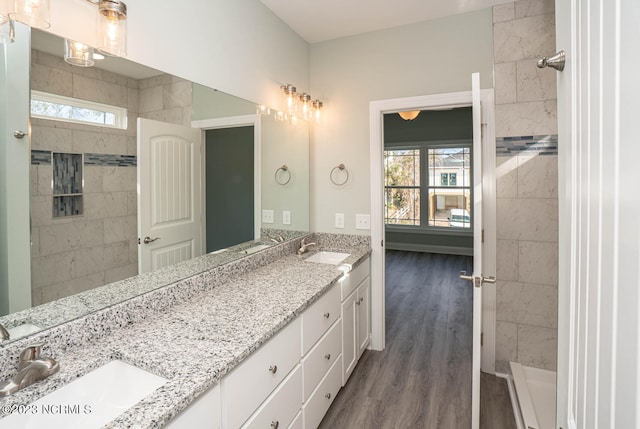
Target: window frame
{"type": "Point", "coordinates": [424, 187]}
{"type": "Point", "coordinates": [120, 113]}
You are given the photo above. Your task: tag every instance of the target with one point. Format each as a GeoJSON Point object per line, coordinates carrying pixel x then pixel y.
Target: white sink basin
{"type": "Point", "coordinates": [22, 330]}
{"type": "Point", "coordinates": [333, 258]}
{"type": "Point", "coordinates": [91, 401]}
{"type": "Point", "coordinates": [254, 249]}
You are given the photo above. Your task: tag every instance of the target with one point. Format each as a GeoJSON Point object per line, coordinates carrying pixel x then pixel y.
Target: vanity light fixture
{"type": "Point", "coordinates": [317, 106]}
{"type": "Point", "coordinates": [290, 100]}
{"type": "Point", "coordinates": [409, 115]}
{"type": "Point", "coordinates": [34, 13]}
{"type": "Point", "coordinates": [112, 28]}
{"type": "Point", "coordinates": [78, 54]}
{"type": "Point", "coordinates": [305, 105]}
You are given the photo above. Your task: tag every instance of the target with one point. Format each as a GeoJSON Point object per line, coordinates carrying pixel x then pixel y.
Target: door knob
{"type": "Point", "coordinates": [19, 134]}
{"type": "Point", "coordinates": [148, 239]}
{"type": "Point", "coordinates": [555, 61]}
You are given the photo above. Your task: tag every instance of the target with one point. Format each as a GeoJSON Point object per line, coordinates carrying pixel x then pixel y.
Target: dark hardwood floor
{"type": "Point", "coordinates": [423, 377]}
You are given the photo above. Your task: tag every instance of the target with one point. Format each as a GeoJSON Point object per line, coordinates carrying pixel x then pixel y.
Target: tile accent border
{"type": "Point", "coordinates": [40, 157]}
{"type": "Point", "coordinates": [43, 157]}
{"type": "Point", "coordinates": [527, 145]}
{"type": "Point", "coordinates": [108, 160]}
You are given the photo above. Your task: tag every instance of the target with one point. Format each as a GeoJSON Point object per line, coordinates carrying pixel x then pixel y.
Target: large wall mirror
{"type": "Point", "coordinates": [86, 169]}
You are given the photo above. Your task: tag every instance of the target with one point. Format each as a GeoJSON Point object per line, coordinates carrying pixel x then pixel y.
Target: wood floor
{"type": "Point", "coordinates": [423, 377]}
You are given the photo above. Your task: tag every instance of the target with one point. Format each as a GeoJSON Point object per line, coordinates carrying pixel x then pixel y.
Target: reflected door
{"type": "Point", "coordinates": [169, 194]}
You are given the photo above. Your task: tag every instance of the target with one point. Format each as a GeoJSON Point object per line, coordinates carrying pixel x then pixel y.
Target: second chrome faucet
{"type": "Point", "coordinates": [303, 246]}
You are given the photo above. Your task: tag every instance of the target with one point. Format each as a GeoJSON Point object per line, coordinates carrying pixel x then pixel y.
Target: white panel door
{"type": "Point", "coordinates": [477, 277]}
{"type": "Point", "coordinates": [169, 194]}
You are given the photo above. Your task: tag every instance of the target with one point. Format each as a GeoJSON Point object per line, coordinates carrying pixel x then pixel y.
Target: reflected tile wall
{"type": "Point", "coordinates": [70, 255]}
{"type": "Point", "coordinates": [527, 184]}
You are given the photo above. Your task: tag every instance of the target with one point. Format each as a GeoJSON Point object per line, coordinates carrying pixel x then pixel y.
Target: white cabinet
{"type": "Point", "coordinates": [248, 385]}
{"type": "Point", "coordinates": [321, 358]}
{"type": "Point", "coordinates": [363, 304]}
{"type": "Point", "coordinates": [356, 317]}
{"type": "Point", "coordinates": [320, 317]}
{"type": "Point", "coordinates": [318, 404]}
{"type": "Point", "coordinates": [282, 407]}
{"type": "Point", "coordinates": [204, 412]}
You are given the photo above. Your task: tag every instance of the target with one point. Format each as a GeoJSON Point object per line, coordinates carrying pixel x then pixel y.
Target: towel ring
{"type": "Point", "coordinates": [284, 169]}
{"type": "Point", "coordinates": [340, 167]}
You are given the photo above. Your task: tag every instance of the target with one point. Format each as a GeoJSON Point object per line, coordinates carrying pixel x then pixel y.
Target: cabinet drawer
{"type": "Point", "coordinates": [282, 406]}
{"type": "Point", "coordinates": [247, 386]}
{"type": "Point", "coordinates": [297, 422]}
{"type": "Point", "coordinates": [355, 277]}
{"type": "Point", "coordinates": [319, 317]}
{"type": "Point", "coordinates": [321, 399]}
{"type": "Point", "coordinates": [318, 361]}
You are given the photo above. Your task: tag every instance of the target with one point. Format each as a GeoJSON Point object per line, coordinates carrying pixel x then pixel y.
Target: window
{"type": "Point", "coordinates": [402, 186]}
{"type": "Point", "coordinates": [67, 109]}
{"type": "Point", "coordinates": [428, 186]}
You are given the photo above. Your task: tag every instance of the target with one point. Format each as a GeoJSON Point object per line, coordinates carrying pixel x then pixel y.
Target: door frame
{"type": "Point", "coordinates": [377, 109]}
{"type": "Point", "coordinates": [234, 122]}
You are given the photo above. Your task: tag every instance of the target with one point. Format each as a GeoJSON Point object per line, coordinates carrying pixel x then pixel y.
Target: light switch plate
{"type": "Point", "coordinates": [363, 221]}
{"type": "Point", "coordinates": [286, 217]}
{"type": "Point", "coordinates": [339, 222]}
{"type": "Point", "coordinates": [267, 216]}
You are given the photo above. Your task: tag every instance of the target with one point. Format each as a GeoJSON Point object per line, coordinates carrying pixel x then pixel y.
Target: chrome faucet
{"type": "Point", "coordinates": [279, 239]}
{"type": "Point", "coordinates": [4, 334]}
{"type": "Point", "coordinates": [303, 246]}
{"type": "Point", "coordinates": [31, 368]}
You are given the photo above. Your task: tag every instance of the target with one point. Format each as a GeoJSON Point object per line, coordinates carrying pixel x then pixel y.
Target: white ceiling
{"type": "Point", "coordinates": [320, 20]}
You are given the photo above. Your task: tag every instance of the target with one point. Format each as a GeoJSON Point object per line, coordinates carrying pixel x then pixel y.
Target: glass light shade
{"type": "Point", "coordinates": [305, 106]}
{"type": "Point", "coordinates": [317, 107]}
{"type": "Point", "coordinates": [78, 54]}
{"type": "Point", "coordinates": [34, 13]}
{"type": "Point", "coordinates": [7, 31]}
{"type": "Point", "coordinates": [112, 28]}
{"type": "Point", "coordinates": [409, 115]}
{"type": "Point", "coordinates": [290, 99]}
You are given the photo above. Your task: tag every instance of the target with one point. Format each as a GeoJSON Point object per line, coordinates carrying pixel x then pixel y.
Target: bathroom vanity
{"type": "Point", "coordinates": [258, 342]}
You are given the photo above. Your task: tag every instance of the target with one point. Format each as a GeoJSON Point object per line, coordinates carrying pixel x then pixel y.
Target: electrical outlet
{"type": "Point", "coordinates": [363, 221]}
{"type": "Point", "coordinates": [339, 222]}
{"type": "Point", "coordinates": [267, 216]}
{"type": "Point", "coordinates": [286, 217]}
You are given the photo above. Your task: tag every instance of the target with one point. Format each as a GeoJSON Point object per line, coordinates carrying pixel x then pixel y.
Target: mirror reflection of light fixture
{"type": "Point", "coordinates": [409, 115]}
{"type": "Point", "coordinates": [34, 13]}
{"type": "Point", "coordinates": [78, 54]}
{"type": "Point", "coordinates": [112, 28]}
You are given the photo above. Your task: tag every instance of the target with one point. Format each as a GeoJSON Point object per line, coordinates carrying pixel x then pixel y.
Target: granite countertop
{"type": "Point", "coordinates": [195, 343]}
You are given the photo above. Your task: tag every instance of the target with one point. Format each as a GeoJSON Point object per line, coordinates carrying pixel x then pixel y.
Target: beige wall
{"type": "Point", "coordinates": [426, 58]}
{"type": "Point", "coordinates": [165, 98]}
{"type": "Point", "coordinates": [527, 185]}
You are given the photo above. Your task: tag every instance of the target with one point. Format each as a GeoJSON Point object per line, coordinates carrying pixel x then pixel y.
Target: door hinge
{"type": "Point", "coordinates": [482, 339]}
{"type": "Point", "coordinates": [482, 236]}
{"type": "Point", "coordinates": [381, 243]}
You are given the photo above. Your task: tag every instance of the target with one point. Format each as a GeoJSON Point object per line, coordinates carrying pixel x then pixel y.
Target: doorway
{"type": "Point", "coordinates": [229, 177]}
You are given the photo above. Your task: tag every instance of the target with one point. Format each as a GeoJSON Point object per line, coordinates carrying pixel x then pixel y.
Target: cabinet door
{"type": "Point", "coordinates": [363, 303]}
{"type": "Point", "coordinates": [349, 336]}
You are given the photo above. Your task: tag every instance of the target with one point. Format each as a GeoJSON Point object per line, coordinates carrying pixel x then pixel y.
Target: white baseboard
{"type": "Point", "coordinates": [428, 248]}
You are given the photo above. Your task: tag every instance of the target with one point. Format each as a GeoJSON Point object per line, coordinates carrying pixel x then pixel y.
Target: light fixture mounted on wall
{"type": "Point", "coordinates": [78, 54]}
{"type": "Point", "coordinates": [290, 100]}
{"type": "Point", "coordinates": [317, 107]}
{"type": "Point", "coordinates": [112, 27]}
{"type": "Point", "coordinates": [34, 13]}
{"type": "Point", "coordinates": [409, 115]}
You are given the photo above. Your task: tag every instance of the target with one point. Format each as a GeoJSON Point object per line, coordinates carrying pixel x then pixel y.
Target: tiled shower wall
{"type": "Point", "coordinates": [73, 254]}
{"type": "Point", "coordinates": [527, 184]}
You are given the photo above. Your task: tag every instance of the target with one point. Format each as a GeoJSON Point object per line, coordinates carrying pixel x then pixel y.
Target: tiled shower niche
{"type": "Point", "coordinates": [67, 184]}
